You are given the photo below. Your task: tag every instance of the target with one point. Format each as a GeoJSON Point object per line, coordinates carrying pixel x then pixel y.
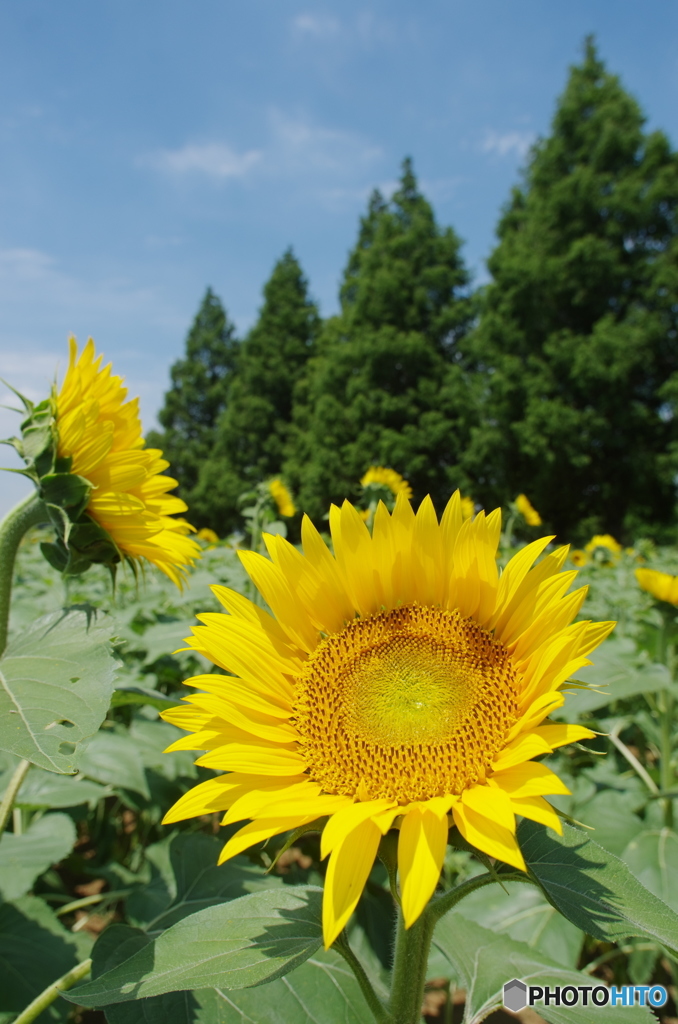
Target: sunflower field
{"type": "Point", "coordinates": [421, 765]}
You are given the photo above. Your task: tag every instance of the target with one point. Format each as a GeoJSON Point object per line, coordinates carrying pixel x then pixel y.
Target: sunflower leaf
{"type": "Point", "coordinates": [239, 944]}
{"type": "Point", "coordinates": [322, 989]}
{"type": "Point", "coordinates": [56, 681]}
{"type": "Point", "coordinates": [24, 857]}
{"type": "Point", "coordinates": [594, 889]}
{"type": "Point", "coordinates": [35, 950]}
{"type": "Point", "coordinates": [482, 962]}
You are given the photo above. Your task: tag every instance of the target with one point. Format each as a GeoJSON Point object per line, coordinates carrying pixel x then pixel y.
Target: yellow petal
{"type": "Point", "coordinates": [421, 851]}
{"type": "Point", "coordinates": [522, 748]}
{"type": "Point", "coordinates": [348, 870]}
{"type": "Point", "coordinates": [213, 795]}
{"type": "Point", "coordinates": [537, 809]}
{"type": "Point", "coordinates": [491, 802]}
{"type": "Point", "coordinates": [487, 836]}
{"type": "Point", "coordinates": [347, 819]}
{"type": "Point", "coordinates": [258, 832]}
{"type": "Point", "coordinates": [529, 779]}
{"type": "Point", "coordinates": [257, 760]}
{"type": "Point", "coordinates": [559, 735]}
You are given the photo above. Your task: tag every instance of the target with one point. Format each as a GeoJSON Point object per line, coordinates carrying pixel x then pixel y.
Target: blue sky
{"type": "Point", "coordinates": [150, 149]}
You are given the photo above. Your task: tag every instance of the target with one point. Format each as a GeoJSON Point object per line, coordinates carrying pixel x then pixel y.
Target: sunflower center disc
{"type": "Point", "coordinates": [407, 705]}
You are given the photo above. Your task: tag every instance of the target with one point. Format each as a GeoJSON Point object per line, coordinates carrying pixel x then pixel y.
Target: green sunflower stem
{"type": "Point", "coordinates": [666, 732]}
{"type": "Point", "coordinates": [10, 794]}
{"type": "Point", "coordinates": [379, 1011]}
{"type": "Point", "coordinates": [409, 968]}
{"type": "Point", "coordinates": [53, 991]}
{"type": "Point", "coordinates": [16, 523]}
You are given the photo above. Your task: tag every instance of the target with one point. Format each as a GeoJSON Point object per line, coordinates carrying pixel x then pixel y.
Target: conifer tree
{"type": "Point", "coordinates": [196, 399]}
{"type": "Point", "coordinates": [384, 388]}
{"type": "Point", "coordinates": [577, 346]}
{"type": "Point", "coordinates": [255, 426]}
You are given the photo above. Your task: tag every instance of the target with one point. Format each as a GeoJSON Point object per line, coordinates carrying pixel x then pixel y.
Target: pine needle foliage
{"type": "Point", "coordinates": [196, 399]}
{"type": "Point", "coordinates": [576, 350]}
{"type": "Point", "coordinates": [384, 388]}
{"type": "Point", "coordinates": [254, 428]}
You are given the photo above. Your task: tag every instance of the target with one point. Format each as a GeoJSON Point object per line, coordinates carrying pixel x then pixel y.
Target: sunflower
{"type": "Point", "coordinates": [606, 542]}
{"type": "Point", "coordinates": [467, 507]}
{"type": "Point", "coordinates": [281, 497]}
{"type": "Point", "coordinates": [527, 510]}
{"type": "Point", "coordinates": [660, 584]}
{"type": "Point", "coordinates": [382, 476]}
{"type": "Point", "coordinates": [398, 682]}
{"type": "Point", "coordinates": [579, 558]}
{"type": "Point", "coordinates": [99, 436]}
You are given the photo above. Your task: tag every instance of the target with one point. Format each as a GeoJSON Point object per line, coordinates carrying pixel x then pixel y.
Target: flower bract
{"type": "Point", "coordinates": [100, 440]}
{"type": "Point", "coordinates": [401, 682]}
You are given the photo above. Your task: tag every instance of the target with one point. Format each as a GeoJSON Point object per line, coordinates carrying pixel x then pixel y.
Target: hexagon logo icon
{"type": "Point", "coordinates": [515, 995]}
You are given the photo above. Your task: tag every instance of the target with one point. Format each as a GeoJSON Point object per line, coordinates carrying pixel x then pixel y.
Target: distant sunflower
{"type": "Point", "coordinates": [661, 585]}
{"type": "Point", "coordinates": [467, 507]}
{"type": "Point", "coordinates": [99, 431]}
{"type": "Point", "coordinates": [527, 510]}
{"type": "Point", "coordinates": [606, 542]}
{"type": "Point", "coordinates": [400, 679]}
{"type": "Point", "coordinates": [385, 477]}
{"type": "Point", "coordinates": [579, 558]}
{"type": "Point", "coordinates": [281, 497]}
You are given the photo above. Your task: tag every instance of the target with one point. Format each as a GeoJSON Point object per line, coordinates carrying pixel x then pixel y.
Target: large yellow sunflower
{"type": "Point", "coordinates": [100, 432]}
{"type": "Point", "coordinates": [399, 681]}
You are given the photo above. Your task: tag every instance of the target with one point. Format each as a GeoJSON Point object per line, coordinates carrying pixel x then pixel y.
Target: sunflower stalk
{"type": "Point", "coordinates": [379, 1011]}
{"type": "Point", "coordinates": [412, 948]}
{"type": "Point", "coordinates": [53, 991]}
{"type": "Point", "coordinates": [13, 527]}
{"type": "Point", "coordinates": [11, 792]}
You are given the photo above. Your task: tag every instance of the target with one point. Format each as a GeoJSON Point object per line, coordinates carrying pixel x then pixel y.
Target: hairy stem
{"type": "Point", "coordinates": [438, 907]}
{"type": "Point", "coordinates": [379, 1011]}
{"type": "Point", "coordinates": [27, 513]}
{"type": "Point", "coordinates": [53, 991]}
{"type": "Point", "coordinates": [409, 968]}
{"type": "Point", "coordinates": [9, 796]}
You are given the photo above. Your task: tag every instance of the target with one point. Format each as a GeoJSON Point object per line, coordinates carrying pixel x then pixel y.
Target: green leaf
{"type": "Point", "coordinates": [323, 989]}
{"type": "Point", "coordinates": [24, 857]}
{"type": "Point", "coordinates": [186, 878]}
{"type": "Point", "coordinates": [123, 695]}
{"type": "Point", "coordinates": [594, 889]}
{"type": "Point", "coordinates": [482, 962]}
{"type": "Point", "coordinates": [35, 950]}
{"type": "Point", "coordinates": [620, 670]}
{"type": "Point", "coordinates": [653, 858]}
{"type": "Point", "coordinates": [56, 680]}
{"type": "Point", "coordinates": [523, 913]}
{"type": "Point", "coordinates": [245, 942]}
{"type": "Point", "coordinates": [112, 758]}
{"type": "Point", "coordinates": [152, 738]}
{"type": "Point", "coordinates": [611, 815]}
{"type": "Point", "coordinates": [45, 789]}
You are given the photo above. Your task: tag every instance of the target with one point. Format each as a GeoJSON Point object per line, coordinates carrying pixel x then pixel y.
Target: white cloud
{"type": "Point", "coordinates": [507, 143]}
{"type": "Point", "coordinates": [298, 144]}
{"type": "Point", "coordinates": [319, 25]}
{"type": "Point", "coordinates": [215, 159]}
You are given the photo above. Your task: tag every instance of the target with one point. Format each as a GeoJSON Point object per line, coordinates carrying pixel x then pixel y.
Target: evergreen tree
{"type": "Point", "coordinates": [577, 340]}
{"type": "Point", "coordinates": [196, 399]}
{"type": "Point", "coordinates": [255, 426]}
{"type": "Point", "coordinates": [384, 387]}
